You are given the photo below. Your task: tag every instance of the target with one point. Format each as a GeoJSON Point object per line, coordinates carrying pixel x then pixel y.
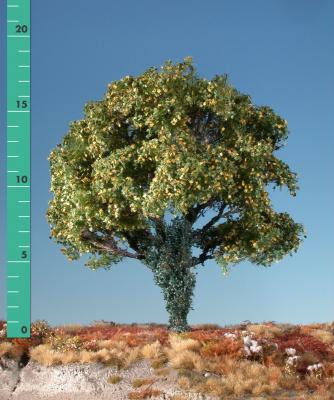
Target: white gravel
{"type": "Point", "coordinates": [81, 381]}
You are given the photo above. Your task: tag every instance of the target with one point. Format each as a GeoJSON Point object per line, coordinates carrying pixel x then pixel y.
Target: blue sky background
{"type": "Point", "coordinates": [280, 52]}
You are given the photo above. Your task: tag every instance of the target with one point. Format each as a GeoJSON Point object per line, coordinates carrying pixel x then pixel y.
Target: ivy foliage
{"type": "Point", "coordinates": [172, 274]}
{"type": "Point", "coordinates": [171, 138]}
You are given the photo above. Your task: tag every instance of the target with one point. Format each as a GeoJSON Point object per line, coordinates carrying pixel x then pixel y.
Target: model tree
{"type": "Point", "coordinates": [169, 140]}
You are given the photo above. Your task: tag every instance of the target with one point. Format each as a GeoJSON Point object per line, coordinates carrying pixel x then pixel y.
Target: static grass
{"type": "Point", "coordinates": [142, 382]}
{"type": "Point", "coordinates": [144, 394]}
{"type": "Point", "coordinates": [114, 379]}
{"type": "Point", "coordinates": [162, 371]}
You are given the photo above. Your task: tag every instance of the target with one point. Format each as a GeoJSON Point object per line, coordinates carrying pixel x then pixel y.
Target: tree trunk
{"type": "Point", "coordinates": [177, 286]}
{"type": "Point", "coordinates": [171, 265]}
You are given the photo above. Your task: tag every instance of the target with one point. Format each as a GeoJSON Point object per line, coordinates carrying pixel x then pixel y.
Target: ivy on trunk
{"type": "Point", "coordinates": [173, 272]}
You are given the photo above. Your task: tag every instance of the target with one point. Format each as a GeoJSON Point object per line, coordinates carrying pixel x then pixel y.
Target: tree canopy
{"type": "Point", "coordinates": [171, 140]}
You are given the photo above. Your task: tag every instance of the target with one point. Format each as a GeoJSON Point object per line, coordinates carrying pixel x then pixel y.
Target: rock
{"type": "Point", "coordinates": [82, 381]}
{"type": "Point", "coordinates": [9, 377]}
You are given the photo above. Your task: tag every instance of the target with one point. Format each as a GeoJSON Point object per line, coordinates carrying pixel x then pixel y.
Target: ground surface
{"type": "Point", "coordinates": [75, 381]}
{"type": "Point", "coordinates": [119, 362]}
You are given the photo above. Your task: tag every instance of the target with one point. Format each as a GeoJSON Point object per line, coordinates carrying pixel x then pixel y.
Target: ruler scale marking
{"type": "Point", "coordinates": [18, 169]}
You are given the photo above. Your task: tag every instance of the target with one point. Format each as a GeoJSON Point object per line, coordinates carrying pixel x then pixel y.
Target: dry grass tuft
{"type": "Point", "coordinates": [152, 350]}
{"type": "Point", "coordinates": [87, 357]}
{"type": "Point", "coordinates": [111, 358]}
{"type": "Point", "coordinates": [184, 382]}
{"type": "Point", "coordinates": [212, 386]}
{"type": "Point", "coordinates": [321, 394]}
{"type": "Point", "coordinates": [142, 381]}
{"type": "Point", "coordinates": [44, 355]}
{"type": "Point", "coordinates": [114, 379]}
{"type": "Point", "coordinates": [186, 359]}
{"type": "Point", "coordinates": [144, 394]}
{"type": "Point", "coordinates": [69, 357]}
{"type": "Point", "coordinates": [265, 331]}
{"type": "Point", "coordinates": [159, 362]}
{"type": "Point", "coordinates": [132, 356]}
{"type": "Point", "coordinates": [178, 397]}
{"type": "Point", "coordinates": [224, 365]}
{"type": "Point", "coordinates": [162, 371]}
{"type": "Point", "coordinates": [177, 343]}
{"type": "Point", "coordinates": [5, 349]}
{"type": "Point", "coordinates": [317, 325]}
{"type": "Point", "coordinates": [70, 328]}
{"type": "Point", "coordinates": [182, 353]}
{"type": "Point", "coordinates": [117, 345]}
{"type": "Point", "coordinates": [248, 377]}
{"type": "Point", "coordinates": [313, 383]}
{"type": "Point", "coordinates": [289, 382]}
{"type": "Point", "coordinates": [323, 335]}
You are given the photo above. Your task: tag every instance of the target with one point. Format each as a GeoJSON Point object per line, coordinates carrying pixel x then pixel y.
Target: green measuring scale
{"type": "Point", "coordinates": [18, 169]}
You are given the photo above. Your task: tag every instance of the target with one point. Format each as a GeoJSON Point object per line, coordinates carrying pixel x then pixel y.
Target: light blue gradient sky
{"type": "Point", "coordinates": [279, 52]}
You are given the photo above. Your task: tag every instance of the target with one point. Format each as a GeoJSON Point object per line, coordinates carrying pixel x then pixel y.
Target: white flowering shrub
{"type": "Point", "coordinates": [251, 347]}
{"type": "Point", "coordinates": [230, 335]}
{"type": "Point", "coordinates": [65, 343]}
{"type": "Point", "coordinates": [316, 370]}
{"type": "Point", "coordinates": [290, 351]}
{"type": "Point", "coordinates": [41, 329]}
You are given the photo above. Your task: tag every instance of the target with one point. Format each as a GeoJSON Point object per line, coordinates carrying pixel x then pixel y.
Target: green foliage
{"type": "Point", "coordinates": [102, 259]}
{"type": "Point", "coordinates": [169, 137]}
{"type": "Point", "coordinates": [243, 241]}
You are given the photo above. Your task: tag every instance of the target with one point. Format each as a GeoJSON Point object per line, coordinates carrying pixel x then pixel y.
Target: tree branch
{"type": "Point", "coordinates": [159, 227]}
{"type": "Point", "coordinates": [199, 233]}
{"type": "Point", "coordinates": [108, 244]}
{"type": "Point", "coordinates": [201, 259]}
{"type": "Point", "coordinates": [215, 241]}
{"type": "Point", "coordinates": [133, 239]}
{"type": "Point", "coordinates": [204, 256]}
{"type": "Point", "coordinates": [193, 212]}
{"type": "Point", "coordinates": [214, 219]}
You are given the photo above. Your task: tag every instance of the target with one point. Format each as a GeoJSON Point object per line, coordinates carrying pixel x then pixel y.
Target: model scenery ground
{"type": "Point", "coordinates": [139, 361]}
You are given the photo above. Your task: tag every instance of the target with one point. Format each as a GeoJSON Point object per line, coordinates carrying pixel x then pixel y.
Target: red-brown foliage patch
{"type": "Point", "coordinates": [25, 343]}
{"type": "Point", "coordinates": [304, 343]}
{"type": "Point", "coordinates": [204, 327]}
{"type": "Point", "coordinates": [22, 346]}
{"type": "Point", "coordinates": [92, 345]}
{"type": "Point", "coordinates": [221, 347]}
{"type": "Point", "coordinates": [132, 335]}
{"type": "Point", "coordinates": [208, 334]}
{"type": "Point", "coordinates": [328, 369]}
